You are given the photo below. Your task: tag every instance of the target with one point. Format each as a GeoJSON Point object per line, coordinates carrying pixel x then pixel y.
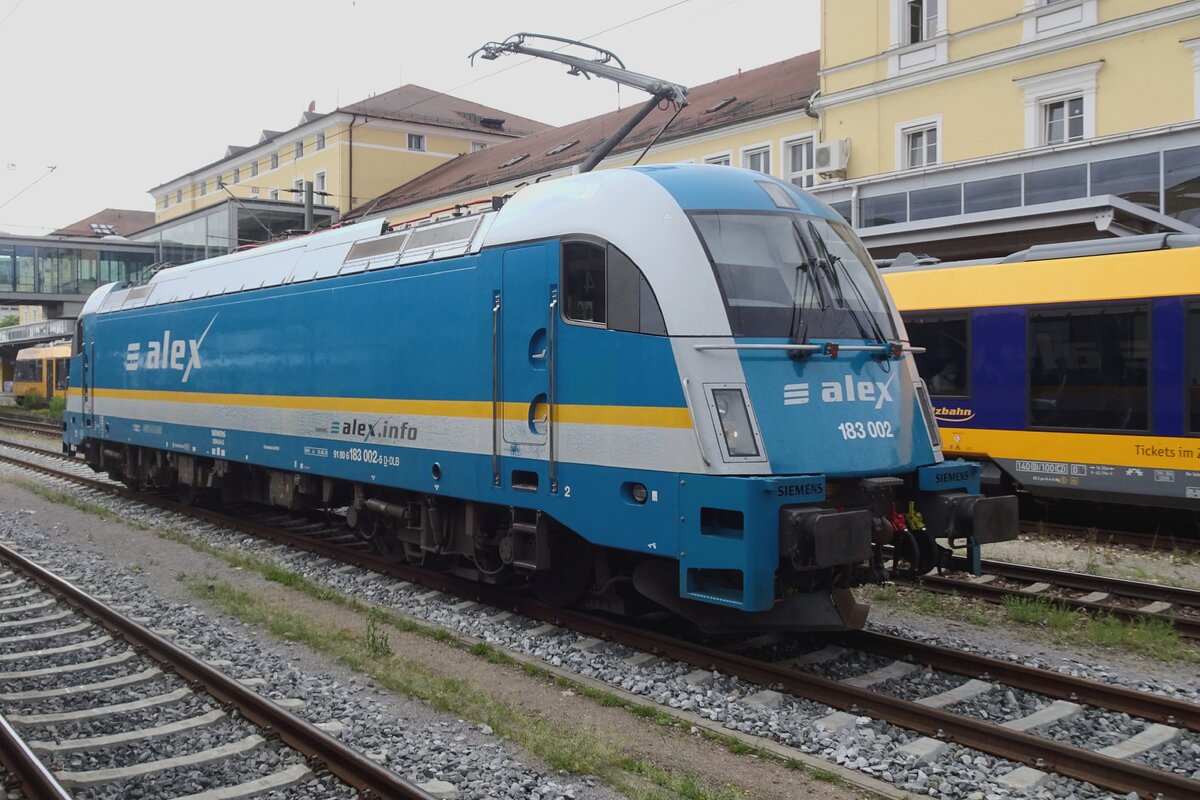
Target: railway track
{"type": "Point", "coordinates": [1050, 698]}
{"type": "Point", "coordinates": [30, 424]}
{"type": "Point", "coordinates": [60, 645]}
{"type": "Point", "coordinates": [1125, 599]}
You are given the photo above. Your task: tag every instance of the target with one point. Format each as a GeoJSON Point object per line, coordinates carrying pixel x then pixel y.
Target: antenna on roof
{"type": "Point", "coordinates": [603, 64]}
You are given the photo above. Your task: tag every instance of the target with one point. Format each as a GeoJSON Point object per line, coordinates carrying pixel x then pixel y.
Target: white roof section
{"type": "Point", "coordinates": [634, 212]}
{"type": "Point", "coordinates": [342, 251]}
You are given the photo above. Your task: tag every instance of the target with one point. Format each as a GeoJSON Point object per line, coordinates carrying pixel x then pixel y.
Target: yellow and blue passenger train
{"type": "Point", "coordinates": [1071, 370]}
{"type": "Point", "coordinates": [676, 386]}
{"type": "Point", "coordinates": [40, 373]}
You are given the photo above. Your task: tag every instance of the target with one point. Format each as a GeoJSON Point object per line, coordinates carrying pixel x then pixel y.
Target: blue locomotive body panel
{"type": "Point", "coordinates": [469, 378]}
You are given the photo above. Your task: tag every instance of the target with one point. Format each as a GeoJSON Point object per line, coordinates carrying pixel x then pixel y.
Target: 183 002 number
{"type": "Point", "coordinates": [866, 430]}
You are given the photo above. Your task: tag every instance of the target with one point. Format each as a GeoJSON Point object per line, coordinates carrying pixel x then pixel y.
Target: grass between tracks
{"type": "Point", "coordinates": [561, 746]}
{"type": "Point", "coordinates": [1045, 619]}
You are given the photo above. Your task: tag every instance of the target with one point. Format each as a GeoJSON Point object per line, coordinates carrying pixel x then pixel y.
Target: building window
{"type": "Point", "coordinates": [1062, 121]}
{"type": "Point", "coordinates": [800, 163]}
{"type": "Point", "coordinates": [237, 174]}
{"type": "Point", "coordinates": [919, 143]}
{"type": "Point", "coordinates": [757, 159]}
{"type": "Point", "coordinates": [319, 188]}
{"type": "Point", "coordinates": [178, 196]}
{"type": "Point", "coordinates": [300, 149]}
{"type": "Point", "coordinates": [922, 147]}
{"type": "Point", "coordinates": [1060, 106]}
{"type": "Point", "coordinates": [416, 141]}
{"type": "Point", "coordinates": [298, 190]}
{"type": "Point", "coordinates": [720, 159]}
{"type": "Point", "coordinates": [274, 160]}
{"type": "Point", "coordinates": [274, 194]}
{"type": "Point", "coordinates": [165, 201]}
{"type": "Point", "coordinates": [477, 146]}
{"type": "Point", "coordinates": [203, 186]}
{"type": "Point", "coordinates": [254, 168]}
{"type": "Point", "coordinates": [921, 22]}
{"type": "Point", "coordinates": [321, 140]}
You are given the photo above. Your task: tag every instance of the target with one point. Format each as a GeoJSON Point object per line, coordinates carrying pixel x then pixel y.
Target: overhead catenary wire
{"type": "Point", "coordinates": [447, 92]}
{"type": "Point", "coordinates": [38, 180]}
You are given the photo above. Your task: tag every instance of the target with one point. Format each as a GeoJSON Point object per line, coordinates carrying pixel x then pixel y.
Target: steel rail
{"type": "Point", "coordinates": [347, 764]}
{"type": "Point", "coordinates": [1157, 708]}
{"type": "Point", "coordinates": [1141, 590]}
{"type": "Point", "coordinates": [1046, 754]}
{"type": "Point", "coordinates": [31, 426]}
{"type": "Point", "coordinates": [1185, 626]}
{"type": "Point", "coordinates": [33, 778]}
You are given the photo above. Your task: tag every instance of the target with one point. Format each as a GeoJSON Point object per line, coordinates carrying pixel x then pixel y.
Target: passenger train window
{"type": "Point", "coordinates": [602, 285]}
{"type": "Point", "coordinates": [1192, 354]}
{"type": "Point", "coordinates": [945, 365]}
{"type": "Point", "coordinates": [1089, 368]}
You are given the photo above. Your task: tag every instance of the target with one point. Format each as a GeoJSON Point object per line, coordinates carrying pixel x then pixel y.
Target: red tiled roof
{"type": "Point", "coordinates": [773, 89]}
{"type": "Point", "coordinates": [123, 220]}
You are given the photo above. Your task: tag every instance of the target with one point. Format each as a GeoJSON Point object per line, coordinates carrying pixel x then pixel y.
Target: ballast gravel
{"type": "Point", "coordinates": [867, 745]}
{"type": "Point", "coordinates": [468, 756]}
{"type": "Point", "coordinates": [57, 704]}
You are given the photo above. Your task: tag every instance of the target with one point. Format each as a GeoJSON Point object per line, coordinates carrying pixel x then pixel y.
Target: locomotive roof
{"type": "Point", "coordinates": [642, 210]}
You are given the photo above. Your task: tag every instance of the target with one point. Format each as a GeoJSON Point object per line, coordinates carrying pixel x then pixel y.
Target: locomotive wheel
{"type": "Point", "coordinates": [571, 570]}
{"type": "Point", "coordinates": [189, 495]}
{"type": "Point", "coordinates": [388, 545]}
{"type": "Point", "coordinates": [915, 554]}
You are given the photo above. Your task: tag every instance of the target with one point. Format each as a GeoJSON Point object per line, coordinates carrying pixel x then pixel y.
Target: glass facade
{"type": "Point", "coordinates": [222, 229]}
{"type": "Point", "coordinates": [68, 268]}
{"type": "Point", "coordinates": [1166, 181]}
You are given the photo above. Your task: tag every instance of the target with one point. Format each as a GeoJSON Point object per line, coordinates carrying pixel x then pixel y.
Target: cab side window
{"type": "Point", "coordinates": [601, 285]}
{"type": "Point", "coordinates": [584, 286]}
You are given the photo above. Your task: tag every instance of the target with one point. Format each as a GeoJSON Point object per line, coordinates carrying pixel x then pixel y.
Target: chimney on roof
{"type": "Point", "coordinates": [312, 107]}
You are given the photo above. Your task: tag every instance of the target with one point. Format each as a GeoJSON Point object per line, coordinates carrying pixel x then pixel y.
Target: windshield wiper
{"type": "Point", "coordinates": [805, 264]}
{"type": "Point", "coordinates": [829, 264]}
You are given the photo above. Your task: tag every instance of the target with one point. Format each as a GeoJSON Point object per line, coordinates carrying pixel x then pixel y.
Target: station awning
{"type": "Point", "coordinates": [988, 234]}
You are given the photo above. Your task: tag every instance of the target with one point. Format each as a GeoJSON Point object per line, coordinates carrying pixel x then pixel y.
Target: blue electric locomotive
{"type": "Point", "coordinates": [679, 383]}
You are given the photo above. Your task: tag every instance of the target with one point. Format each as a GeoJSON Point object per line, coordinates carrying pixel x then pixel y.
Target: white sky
{"type": "Point", "coordinates": [123, 95]}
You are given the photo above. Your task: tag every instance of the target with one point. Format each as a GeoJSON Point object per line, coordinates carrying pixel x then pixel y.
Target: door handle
{"type": "Point", "coordinates": [539, 355]}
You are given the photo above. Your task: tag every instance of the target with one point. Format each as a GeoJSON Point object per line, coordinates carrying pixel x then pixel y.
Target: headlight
{"type": "Point", "coordinates": [735, 422]}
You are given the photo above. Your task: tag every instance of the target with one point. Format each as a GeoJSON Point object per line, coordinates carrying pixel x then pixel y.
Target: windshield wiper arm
{"type": "Point", "coordinates": [829, 264]}
{"type": "Point", "coordinates": [804, 264]}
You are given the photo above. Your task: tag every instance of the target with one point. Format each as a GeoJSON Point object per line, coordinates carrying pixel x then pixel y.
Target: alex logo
{"type": "Point", "coordinates": [383, 429]}
{"type": "Point", "coordinates": [846, 391]}
{"type": "Point", "coordinates": [181, 355]}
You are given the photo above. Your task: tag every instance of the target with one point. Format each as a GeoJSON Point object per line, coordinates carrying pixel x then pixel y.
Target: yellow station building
{"type": "Point", "coordinates": [351, 155]}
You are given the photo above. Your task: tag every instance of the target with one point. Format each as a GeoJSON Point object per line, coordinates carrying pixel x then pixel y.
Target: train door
{"type": "Point", "coordinates": [62, 374]}
{"type": "Point", "coordinates": [524, 409]}
{"type": "Point", "coordinates": [85, 341]}
{"type": "Point", "coordinates": [48, 377]}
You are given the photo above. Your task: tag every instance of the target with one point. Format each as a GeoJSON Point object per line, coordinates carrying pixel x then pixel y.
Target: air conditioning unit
{"type": "Point", "coordinates": [831, 158]}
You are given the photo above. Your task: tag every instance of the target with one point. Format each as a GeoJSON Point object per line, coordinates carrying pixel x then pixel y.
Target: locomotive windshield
{"type": "Point", "coordinates": [796, 276]}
